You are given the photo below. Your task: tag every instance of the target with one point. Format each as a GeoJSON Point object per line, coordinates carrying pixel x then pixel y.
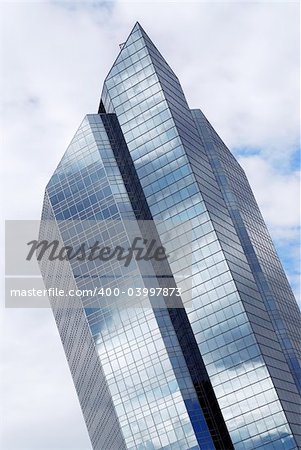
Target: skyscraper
{"type": "Point", "coordinates": [219, 370]}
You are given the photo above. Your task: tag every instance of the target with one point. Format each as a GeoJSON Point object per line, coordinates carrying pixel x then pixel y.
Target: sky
{"type": "Point", "coordinates": [238, 62]}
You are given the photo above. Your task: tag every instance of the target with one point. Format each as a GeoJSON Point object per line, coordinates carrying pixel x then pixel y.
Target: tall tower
{"type": "Point", "coordinates": [218, 370]}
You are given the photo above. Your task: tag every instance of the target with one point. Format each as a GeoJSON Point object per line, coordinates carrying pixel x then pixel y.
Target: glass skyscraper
{"type": "Point", "coordinates": [221, 371]}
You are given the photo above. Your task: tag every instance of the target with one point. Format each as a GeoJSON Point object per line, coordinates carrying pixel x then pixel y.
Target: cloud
{"type": "Point", "coordinates": [40, 410]}
{"type": "Point", "coordinates": [238, 62]}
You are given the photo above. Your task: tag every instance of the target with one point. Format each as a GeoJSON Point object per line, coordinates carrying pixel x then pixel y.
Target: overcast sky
{"type": "Point", "coordinates": [238, 62]}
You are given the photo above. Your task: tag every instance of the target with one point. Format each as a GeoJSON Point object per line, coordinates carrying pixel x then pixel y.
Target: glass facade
{"type": "Point", "coordinates": [223, 370]}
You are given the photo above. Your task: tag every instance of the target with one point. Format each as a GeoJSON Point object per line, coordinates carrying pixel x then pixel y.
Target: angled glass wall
{"type": "Point", "coordinates": [219, 372]}
{"type": "Point", "coordinates": [152, 402]}
{"type": "Point", "coordinates": [229, 318]}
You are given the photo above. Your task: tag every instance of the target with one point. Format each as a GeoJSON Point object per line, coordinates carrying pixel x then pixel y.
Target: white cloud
{"type": "Point", "coordinates": [238, 63]}
{"type": "Point", "coordinates": [39, 408]}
